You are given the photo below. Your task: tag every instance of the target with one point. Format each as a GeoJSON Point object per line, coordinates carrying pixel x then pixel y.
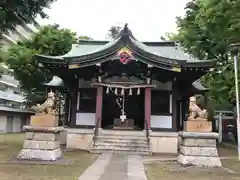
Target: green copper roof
{"type": "Point", "coordinates": [87, 49]}
{"type": "Point", "coordinates": [164, 49]}
{"type": "Point", "coordinates": [165, 54]}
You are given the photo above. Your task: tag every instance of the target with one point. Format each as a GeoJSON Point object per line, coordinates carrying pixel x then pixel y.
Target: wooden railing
{"type": "Point", "coordinates": [147, 133]}
{"type": "Point", "coordinates": [96, 132]}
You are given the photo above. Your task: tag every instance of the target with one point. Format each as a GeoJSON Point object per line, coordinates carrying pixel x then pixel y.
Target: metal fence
{"type": "Point", "coordinates": [225, 124]}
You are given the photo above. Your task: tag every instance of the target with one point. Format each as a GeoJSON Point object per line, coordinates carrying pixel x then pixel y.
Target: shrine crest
{"type": "Point", "coordinates": [125, 55]}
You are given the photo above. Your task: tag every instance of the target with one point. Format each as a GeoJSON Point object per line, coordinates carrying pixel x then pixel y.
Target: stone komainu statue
{"type": "Point", "coordinates": [195, 112]}
{"type": "Point", "coordinates": [49, 106]}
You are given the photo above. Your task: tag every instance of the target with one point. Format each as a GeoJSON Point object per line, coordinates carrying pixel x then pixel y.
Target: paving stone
{"type": "Point", "coordinates": [95, 171]}
{"type": "Point", "coordinates": [135, 168]}
{"type": "Point", "coordinates": [117, 168]}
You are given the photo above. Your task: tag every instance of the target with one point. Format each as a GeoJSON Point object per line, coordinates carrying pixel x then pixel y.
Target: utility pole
{"type": "Point", "coordinates": [234, 48]}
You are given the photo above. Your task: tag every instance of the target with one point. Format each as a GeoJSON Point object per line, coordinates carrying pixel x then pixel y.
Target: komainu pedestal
{"type": "Point", "coordinates": [42, 139]}
{"type": "Point", "coordinates": [199, 149]}
{"type": "Point", "coordinates": [198, 126]}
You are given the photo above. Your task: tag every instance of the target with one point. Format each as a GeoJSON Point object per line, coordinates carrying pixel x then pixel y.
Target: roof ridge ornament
{"type": "Point", "coordinates": [126, 32]}
{"type": "Point", "coordinates": [126, 27]}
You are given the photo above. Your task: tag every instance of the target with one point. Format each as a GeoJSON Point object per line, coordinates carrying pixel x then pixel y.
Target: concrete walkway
{"type": "Point", "coordinates": [115, 166]}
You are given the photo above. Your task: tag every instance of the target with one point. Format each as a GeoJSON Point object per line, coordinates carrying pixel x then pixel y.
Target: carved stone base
{"type": "Point", "coordinates": [199, 161]}
{"type": "Point", "coordinates": [199, 149]}
{"type": "Point", "coordinates": [198, 126]}
{"type": "Point", "coordinates": [41, 143]}
{"type": "Point", "coordinates": [40, 155]}
{"type": "Point", "coordinates": [47, 120]}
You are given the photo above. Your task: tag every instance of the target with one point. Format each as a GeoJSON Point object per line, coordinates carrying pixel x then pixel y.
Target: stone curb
{"type": "Point", "coordinates": [175, 159]}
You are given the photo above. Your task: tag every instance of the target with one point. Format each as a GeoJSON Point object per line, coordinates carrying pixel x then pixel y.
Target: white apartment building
{"type": "Point", "coordinates": [13, 114]}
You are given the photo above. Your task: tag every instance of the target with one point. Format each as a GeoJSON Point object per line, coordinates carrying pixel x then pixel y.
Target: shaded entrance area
{"type": "Point", "coordinates": [133, 105]}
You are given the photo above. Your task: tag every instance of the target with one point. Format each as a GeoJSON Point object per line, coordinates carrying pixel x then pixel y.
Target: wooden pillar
{"type": "Point", "coordinates": [148, 107]}
{"type": "Point", "coordinates": [66, 109]}
{"type": "Point", "coordinates": [174, 108]}
{"type": "Point", "coordinates": [98, 114]}
{"type": "Point", "coordinates": [73, 109]}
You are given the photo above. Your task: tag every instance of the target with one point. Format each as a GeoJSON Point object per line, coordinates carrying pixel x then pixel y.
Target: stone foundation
{"type": "Point", "coordinates": [41, 143]}
{"type": "Point", "coordinates": [79, 138]}
{"type": "Point", "coordinates": [164, 142]}
{"type": "Point", "coordinates": [199, 149]}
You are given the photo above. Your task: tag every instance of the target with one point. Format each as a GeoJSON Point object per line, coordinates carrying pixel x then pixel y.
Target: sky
{"type": "Point", "coordinates": [147, 19]}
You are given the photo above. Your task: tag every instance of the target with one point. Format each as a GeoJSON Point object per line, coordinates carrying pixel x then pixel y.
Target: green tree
{"type": "Point", "coordinates": [113, 32]}
{"type": "Point", "coordinates": [206, 31]}
{"type": "Point", "coordinates": [50, 40]}
{"type": "Point", "coordinates": [13, 12]}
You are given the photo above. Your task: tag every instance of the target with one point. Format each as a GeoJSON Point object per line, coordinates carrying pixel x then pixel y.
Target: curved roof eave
{"type": "Point", "coordinates": [46, 58]}
{"type": "Point", "coordinates": [107, 50]}
{"type": "Point", "coordinates": [109, 45]}
{"type": "Point", "coordinates": [201, 63]}
{"type": "Point", "coordinates": [49, 59]}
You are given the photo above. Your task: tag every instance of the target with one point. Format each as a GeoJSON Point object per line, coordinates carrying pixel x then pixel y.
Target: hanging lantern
{"type": "Point", "coordinates": [116, 91]}
{"type": "Point", "coordinates": [107, 91]}
{"type": "Point", "coordinates": [122, 92]}
{"type": "Point", "coordinates": [130, 92]}
{"type": "Point", "coordinates": [138, 91]}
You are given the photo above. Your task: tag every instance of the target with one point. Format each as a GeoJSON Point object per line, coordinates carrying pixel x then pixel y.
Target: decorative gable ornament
{"type": "Point", "coordinates": [125, 55]}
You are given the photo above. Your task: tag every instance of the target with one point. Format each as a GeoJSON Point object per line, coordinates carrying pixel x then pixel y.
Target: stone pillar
{"type": "Point", "coordinates": [42, 139]}
{"type": "Point", "coordinates": [199, 149]}
{"type": "Point", "coordinates": [99, 106]}
{"type": "Point", "coordinates": [148, 107]}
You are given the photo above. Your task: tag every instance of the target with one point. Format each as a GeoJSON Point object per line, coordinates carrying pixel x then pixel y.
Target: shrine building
{"type": "Point", "coordinates": [126, 86]}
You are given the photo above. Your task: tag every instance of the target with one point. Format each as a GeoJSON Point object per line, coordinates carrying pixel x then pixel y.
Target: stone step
{"type": "Point", "coordinates": [121, 148]}
{"type": "Point", "coordinates": [123, 133]}
{"type": "Point", "coordinates": [123, 137]}
{"type": "Point", "coordinates": [116, 145]}
{"type": "Point", "coordinates": [124, 141]}
{"type": "Point", "coordinates": [121, 151]}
